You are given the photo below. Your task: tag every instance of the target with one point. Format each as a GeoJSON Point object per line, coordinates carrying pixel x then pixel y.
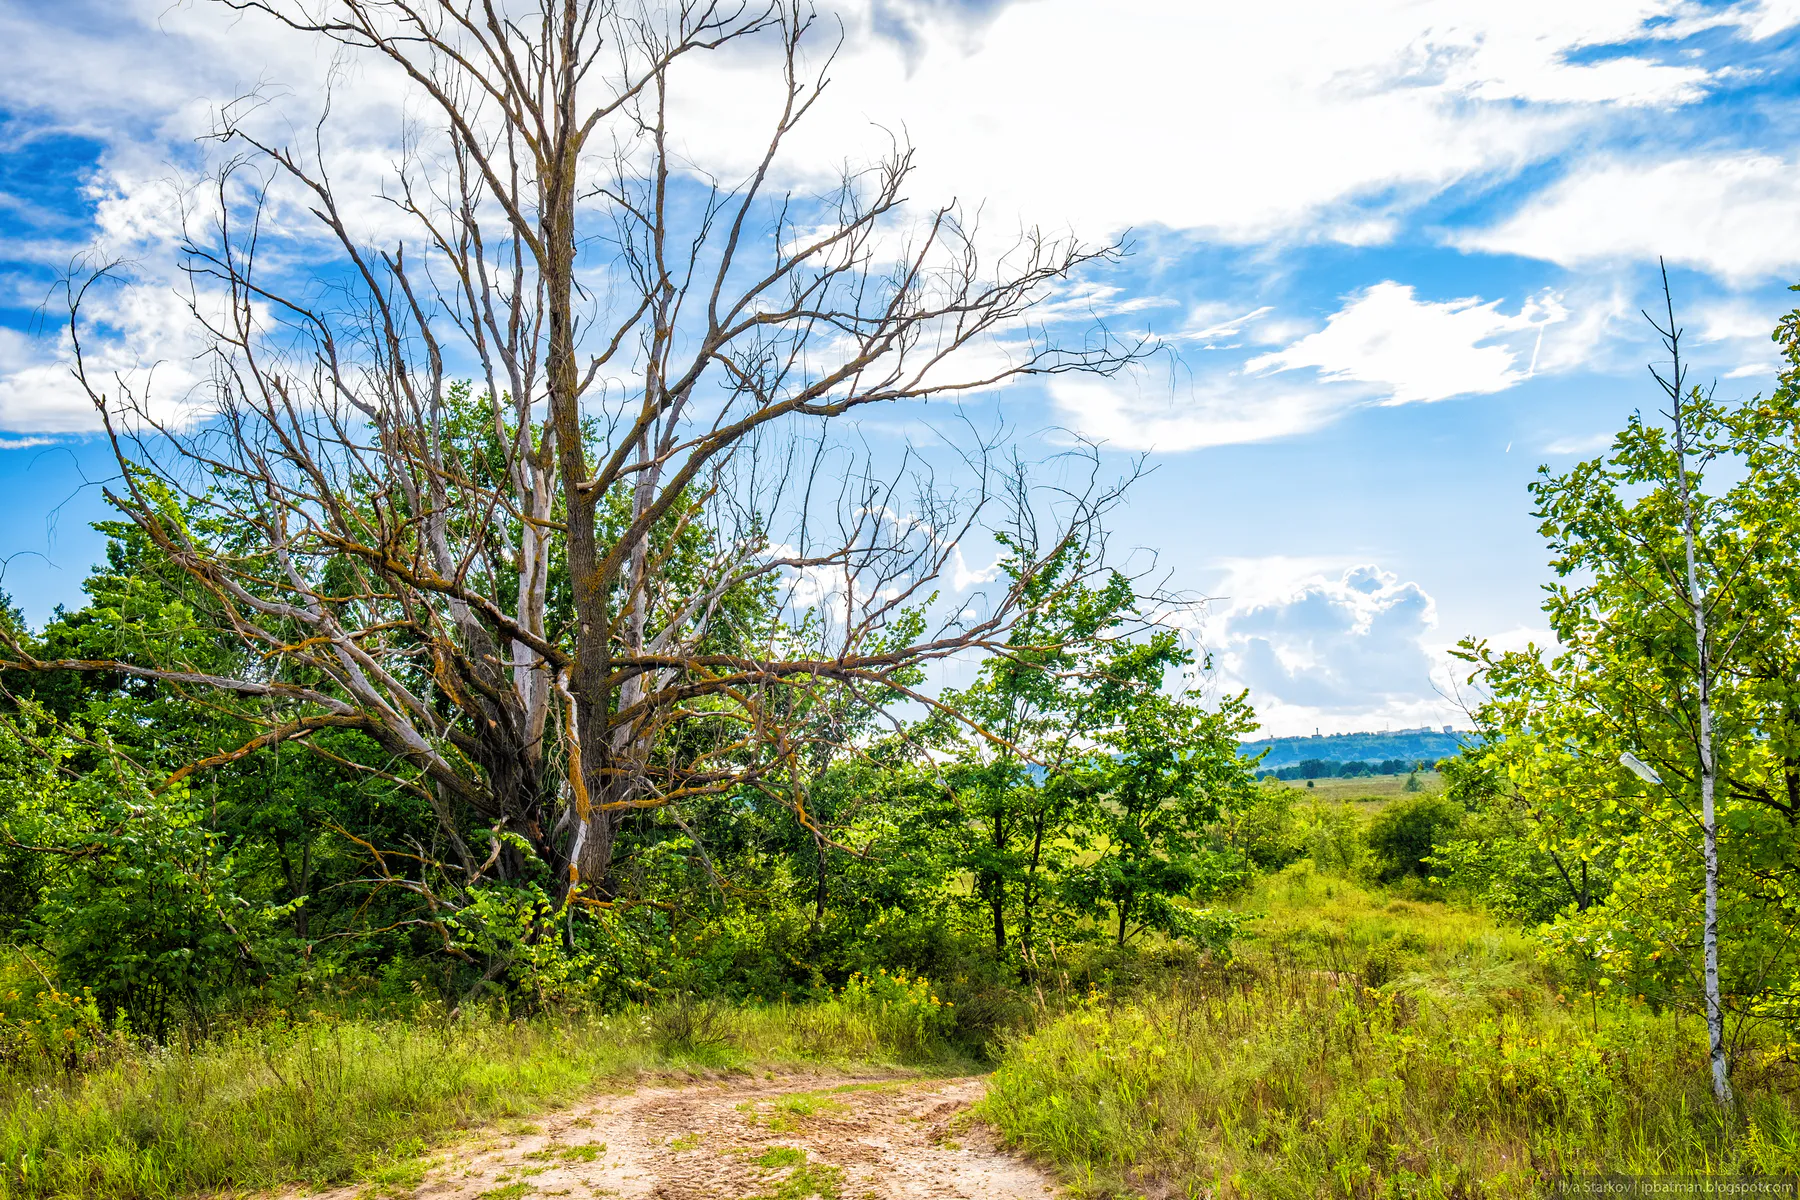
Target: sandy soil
{"type": "Point", "coordinates": [862, 1138]}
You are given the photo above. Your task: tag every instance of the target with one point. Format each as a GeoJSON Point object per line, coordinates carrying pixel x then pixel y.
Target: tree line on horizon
{"type": "Point", "coordinates": [1326, 768]}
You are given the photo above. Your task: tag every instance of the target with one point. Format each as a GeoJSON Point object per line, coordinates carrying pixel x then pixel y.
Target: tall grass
{"type": "Point", "coordinates": [326, 1100]}
{"type": "Point", "coordinates": [1367, 1046]}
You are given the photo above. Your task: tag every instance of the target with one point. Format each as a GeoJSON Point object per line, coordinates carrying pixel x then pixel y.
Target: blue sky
{"type": "Point", "coordinates": [1394, 254]}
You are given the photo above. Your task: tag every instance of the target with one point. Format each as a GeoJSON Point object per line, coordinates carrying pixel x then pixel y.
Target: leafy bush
{"type": "Point", "coordinates": [140, 900]}
{"type": "Point", "coordinates": [1210, 930]}
{"type": "Point", "coordinates": [1334, 838]}
{"type": "Point", "coordinates": [1404, 834]}
{"type": "Point", "coordinates": [905, 1010]}
{"type": "Point", "coordinates": [1262, 826]}
{"type": "Point", "coordinates": [43, 1025]}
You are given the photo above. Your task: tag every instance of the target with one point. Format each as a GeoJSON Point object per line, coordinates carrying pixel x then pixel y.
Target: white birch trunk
{"type": "Point", "coordinates": [1715, 1012]}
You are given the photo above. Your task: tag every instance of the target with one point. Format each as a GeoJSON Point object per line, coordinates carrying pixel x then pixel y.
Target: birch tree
{"type": "Point", "coordinates": [1675, 613]}
{"type": "Point", "coordinates": [1674, 385]}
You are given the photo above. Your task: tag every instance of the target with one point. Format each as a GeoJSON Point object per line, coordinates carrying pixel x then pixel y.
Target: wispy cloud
{"type": "Point", "coordinates": [1734, 215]}
{"type": "Point", "coordinates": [1414, 350]}
{"type": "Point", "coordinates": [1591, 444]}
{"type": "Point", "coordinates": [1142, 411]}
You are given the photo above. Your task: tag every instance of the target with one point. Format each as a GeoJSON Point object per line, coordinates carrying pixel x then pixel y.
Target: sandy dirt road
{"type": "Point", "coordinates": [833, 1137]}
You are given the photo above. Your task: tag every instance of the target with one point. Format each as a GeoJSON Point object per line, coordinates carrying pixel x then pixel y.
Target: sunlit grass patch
{"type": "Point", "coordinates": [1368, 1045]}
{"type": "Point", "coordinates": [809, 1104]}
{"type": "Point", "coordinates": [320, 1103]}
{"type": "Point", "coordinates": [813, 1180]}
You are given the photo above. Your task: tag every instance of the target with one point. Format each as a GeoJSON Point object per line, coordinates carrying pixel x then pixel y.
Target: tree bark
{"type": "Point", "coordinates": [1696, 597]}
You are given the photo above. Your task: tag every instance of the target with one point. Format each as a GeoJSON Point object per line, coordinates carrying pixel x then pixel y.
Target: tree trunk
{"type": "Point", "coordinates": [997, 903]}
{"type": "Point", "coordinates": [1715, 1010]}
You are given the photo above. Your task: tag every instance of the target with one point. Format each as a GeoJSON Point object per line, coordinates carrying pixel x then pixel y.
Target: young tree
{"type": "Point", "coordinates": [523, 590]}
{"type": "Point", "coordinates": [1678, 649]}
{"type": "Point", "coordinates": [1084, 655]}
{"type": "Point", "coordinates": [1165, 772]}
{"type": "Point", "coordinates": [1674, 385]}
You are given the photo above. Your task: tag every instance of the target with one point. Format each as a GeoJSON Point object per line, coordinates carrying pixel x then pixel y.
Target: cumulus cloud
{"type": "Point", "coordinates": [142, 346]}
{"type": "Point", "coordinates": [1415, 350]}
{"type": "Point", "coordinates": [1336, 648]}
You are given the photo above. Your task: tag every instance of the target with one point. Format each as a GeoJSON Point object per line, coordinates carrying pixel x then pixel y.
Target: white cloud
{"type": "Point", "coordinates": [1741, 326]}
{"type": "Point", "coordinates": [1134, 411]}
{"type": "Point", "coordinates": [1324, 646]}
{"type": "Point", "coordinates": [141, 345]}
{"type": "Point", "coordinates": [1591, 444]}
{"type": "Point", "coordinates": [1758, 20]}
{"type": "Point", "coordinates": [1246, 121]}
{"type": "Point", "coordinates": [1735, 215]}
{"type": "Point", "coordinates": [1415, 350]}
{"type": "Point", "coordinates": [1250, 122]}
{"type": "Point", "coordinates": [1211, 322]}
{"type": "Point", "coordinates": [1383, 347]}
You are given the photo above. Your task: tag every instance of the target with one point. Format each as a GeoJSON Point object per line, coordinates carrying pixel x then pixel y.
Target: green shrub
{"type": "Point", "coordinates": [141, 901]}
{"type": "Point", "coordinates": [1263, 827]}
{"type": "Point", "coordinates": [905, 1010]}
{"type": "Point", "coordinates": [1334, 838]}
{"type": "Point", "coordinates": [1404, 834]}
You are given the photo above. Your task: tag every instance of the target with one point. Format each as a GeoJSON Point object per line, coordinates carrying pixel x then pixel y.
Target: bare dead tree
{"type": "Point", "coordinates": [541, 493]}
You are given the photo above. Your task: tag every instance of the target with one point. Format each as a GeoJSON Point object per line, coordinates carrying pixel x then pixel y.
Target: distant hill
{"type": "Point", "coordinates": [1414, 745]}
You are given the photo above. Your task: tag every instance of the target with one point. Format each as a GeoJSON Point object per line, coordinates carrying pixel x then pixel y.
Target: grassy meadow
{"type": "Point", "coordinates": [1360, 1041]}
{"type": "Point", "coordinates": [1364, 789]}
{"type": "Point", "coordinates": [1375, 1043]}
{"type": "Point", "coordinates": [327, 1100]}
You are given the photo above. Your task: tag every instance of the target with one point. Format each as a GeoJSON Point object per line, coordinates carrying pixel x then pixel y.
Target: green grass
{"type": "Point", "coordinates": [1365, 789]}
{"type": "Point", "coordinates": [1372, 1046]}
{"type": "Point", "coordinates": [807, 1181]}
{"type": "Point", "coordinates": [330, 1101]}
